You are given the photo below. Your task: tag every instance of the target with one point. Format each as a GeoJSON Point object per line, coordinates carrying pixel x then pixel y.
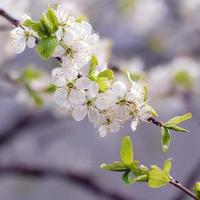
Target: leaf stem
{"type": "Point", "coordinates": [177, 184]}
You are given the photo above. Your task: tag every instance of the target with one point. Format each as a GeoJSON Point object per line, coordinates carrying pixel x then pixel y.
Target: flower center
{"type": "Point", "coordinates": [70, 85]}
{"type": "Point", "coordinates": [89, 103]}
{"type": "Point", "coordinates": [69, 52]}
{"type": "Point", "coordinates": [121, 102]}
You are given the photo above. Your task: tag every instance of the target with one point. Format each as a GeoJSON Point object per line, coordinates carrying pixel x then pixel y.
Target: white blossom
{"type": "Point", "coordinates": [78, 45]}
{"type": "Point", "coordinates": [21, 37]}
{"type": "Point", "coordinates": [83, 100]}
{"type": "Point", "coordinates": [64, 80]}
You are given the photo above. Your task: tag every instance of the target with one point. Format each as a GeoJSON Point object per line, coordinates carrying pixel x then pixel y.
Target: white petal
{"type": "Point", "coordinates": [80, 113]}
{"type": "Point", "coordinates": [87, 27]}
{"type": "Point", "coordinates": [59, 33]}
{"type": "Point", "coordinates": [31, 42]}
{"type": "Point", "coordinates": [134, 124]}
{"type": "Point", "coordinates": [69, 37]}
{"type": "Point", "coordinates": [71, 73]}
{"type": "Point", "coordinates": [67, 62]}
{"type": "Point", "coordinates": [19, 46]}
{"type": "Point", "coordinates": [93, 116]}
{"type": "Point", "coordinates": [59, 51]}
{"type": "Point", "coordinates": [119, 88]}
{"type": "Point", "coordinates": [83, 83]}
{"type": "Point", "coordinates": [103, 131]}
{"type": "Point", "coordinates": [104, 102]}
{"type": "Point", "coordinates": [114, 127]}
{"type": "Point", "coordinates": [93, 89]}
{"type": "Point", "coordinates": [61, 97]}
{"type": "Point", "coordinates": [77, 97]}
{"type": "Point", "coordinates": [58, 77]}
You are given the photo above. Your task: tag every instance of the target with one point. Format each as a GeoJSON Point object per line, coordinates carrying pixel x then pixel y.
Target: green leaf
{"type": "Point", "coordinates": [178, 119]}
{"type": "Point", "coordinates": [52, 19]}
{"type": "Point", "coordinates": [196, 189]}
{"type": "Point", "coordinates": [103, 86]}
{"type": "Point", "coordinates": [30, 74]}
{"type": "Point", "coordinates": [152, 111]}
{"type": "Point", "coordinates": [46, 25]}
{"type": "Point", "coordinates": [145, 93]}
{"type": "Point", "coordinates": [127, 150]}
{"type": "Point", "coordinates": [127, 179]}
{"type": "Point", "coordinates": [157, 178]}
{"type": "Point", "coordinates": [115, 166]}
{"type": "Point", "coordinates": [50, 89]}
{"type": "Point", "coordinates": [108, 74]}
{"type": "Point", "coordinates": [46, 47]}
{"type": "Point", "coordinates": [37, 99]}
{"type": "Point", "coordinates": [138, 169]}
{"type": "Point", "coordinates": [166, 138]}
{"type": "Point", "coordinates": [93, 64]}
{"type": "Point", "coordinates": [142, 178]}
{"type": "Point", "coordinates": [176, 128]}
{"type": "Point", "coordinates": [167, 166]}
{"type": "Point", "coordinates": [183, 78]}
{"type": "Point", "coordinates": [36, 26]}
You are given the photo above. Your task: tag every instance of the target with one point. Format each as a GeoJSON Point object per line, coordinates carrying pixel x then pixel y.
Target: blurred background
{"type": "Point", "coordinates": [44, 154]}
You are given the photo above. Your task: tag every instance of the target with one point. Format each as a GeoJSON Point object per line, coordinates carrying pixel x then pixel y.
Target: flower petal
{"type": "Point", "coordinates": [103, 131]}
{"type": "Point", "coordinates": [119, 88]}
{"type": "Point", "coordinates": [93, 89]}
{"type": "Point", "coordinates": [134, 124]}
{"type": "Point", "coordinates": [83, 83]}
{"type": "Point", "coordinates": [61, 97]}
{"type": "Point", "coordinates": [58, 77]}
{"type": "Point", "coordinates": [77, 98]}
{"type": "Point", "coordinates": [31, 42]}
{"type": "Point", "coordinates": [79, 113]}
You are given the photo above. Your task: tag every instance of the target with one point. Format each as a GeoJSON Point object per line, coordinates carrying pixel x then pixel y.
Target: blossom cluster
{"type": "Point", "coordinates": [85, 87]}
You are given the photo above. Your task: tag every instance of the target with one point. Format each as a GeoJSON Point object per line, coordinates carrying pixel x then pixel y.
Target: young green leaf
{"type": "Point", "coordinates": [196, 189]}
{"type": "Point", "coordinates": [166, 138]}
{"type": "Point", "coordinates": [167, 166]}
{"type": "Point", "coordinates": [127, 179]}
{"type": "Point", "coordinates": [93, 64]}
{"type": "Point", "coordinates": [46, 47]}
{"type": "Point", "coordinates": [36, 26]}
{"type": "Point", "coordinates": [145, 93]}
{"type": "Point", "coordinates": [176, 128]}
{"type": "Point", "coordinates": [142, 178]}
{"type": "Point", "coordinates": [127, 150]}
{"type": "Point", "coordinates": [107, 74]}
{"type": "Point", "coordinates": [115, 166]}
{"type": "Point", "coordinates": [103, 86]}
{"type": "Point", "coordinates": [157, 178]}
{"type": "Point", "coordinates": [30, 74]}
{"type": "Point", "coordinates": [138, 169]}
{"type": "Point", "coordinates": [178, 119]}
{"type": "Point", "coordinates": [52, 19]}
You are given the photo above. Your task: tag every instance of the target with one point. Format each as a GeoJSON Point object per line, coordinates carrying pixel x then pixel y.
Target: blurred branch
{"type": "Point", "coordinates": [25, 122]}
{"type": "Point", "coordinates": [85, 180]}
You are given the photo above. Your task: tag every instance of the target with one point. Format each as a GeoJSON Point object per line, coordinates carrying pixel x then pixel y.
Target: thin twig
{"type": "Point", "coordinates": [85, 180]}
{"type": "Point", "coordinates": [177, 184]}
{"type": "Point", "coordinates": [155, 121]}
{"type": "Point", "coordinates": [11, 19]}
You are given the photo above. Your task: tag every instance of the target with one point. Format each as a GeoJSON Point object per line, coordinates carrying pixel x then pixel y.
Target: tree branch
{"type": "Point", "coordinates": [177, 184]}
{"type": "Point", "coordinates": [12, 20]}
{"type": "Point", "coordinates": [155, 121]}
{"type": "Point", "coordinates": [85, 180]}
